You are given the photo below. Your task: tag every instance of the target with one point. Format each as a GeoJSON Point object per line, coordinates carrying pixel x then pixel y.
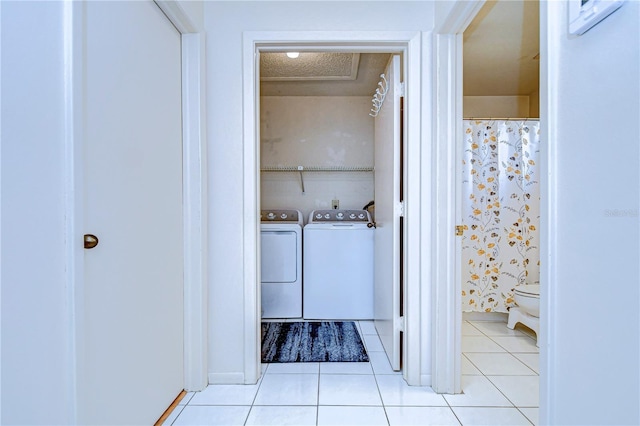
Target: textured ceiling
{"type": "Point", "coordinates": [309, 66]}
{"type": "Point", "coordinates": [500, 57]}
{"type": "Point", "coordinates": [367, 74]}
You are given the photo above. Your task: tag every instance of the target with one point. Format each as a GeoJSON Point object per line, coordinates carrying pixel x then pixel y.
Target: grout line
{"type": "Point", "coordinates": [318, 395]}
{"type": "Point", "coordinates": [525, 416]}
{"type": "Point", "coordinates": [181, 407]}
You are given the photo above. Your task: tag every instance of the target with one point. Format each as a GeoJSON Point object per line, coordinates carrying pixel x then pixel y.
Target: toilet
{"type": "Point", "coordinates": [527, 312]}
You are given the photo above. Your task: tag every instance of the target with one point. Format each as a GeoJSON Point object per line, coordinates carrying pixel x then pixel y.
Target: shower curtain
{"type": "Point", "coordinates": [500, 212]}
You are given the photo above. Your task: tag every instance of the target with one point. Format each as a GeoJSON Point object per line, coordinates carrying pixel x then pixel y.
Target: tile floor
{"type": "Point", "coordinates": [500, 385]}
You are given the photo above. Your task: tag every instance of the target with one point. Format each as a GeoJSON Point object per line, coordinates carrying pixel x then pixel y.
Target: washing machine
{"type": "Point", "coordinates": [338, 265]}
{"type": "Point", "coordinates": [281, 263]}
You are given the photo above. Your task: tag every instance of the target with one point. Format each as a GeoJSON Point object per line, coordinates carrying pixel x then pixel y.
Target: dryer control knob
{"type": "Point", "coordinates": [271, 216]}
{"type": "Point", "coordinates": [352, 216]}
{"type": "Point", "coordinates": [327, 216]}
{"type": "Point", "coordinates": [361, 216]}
{"type": "Point", "coordinates": [319, 216]}
{"type": "Point", "coordinates": [340, 215]}
{"type": "Point", "coordinates": [283, 216]}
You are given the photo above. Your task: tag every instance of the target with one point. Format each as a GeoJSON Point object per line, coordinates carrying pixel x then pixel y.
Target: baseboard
{"type": "Point", "coordinates": [485, 316]}
{"type": "Point", "coordinates": [425, 380]}
{"type": "Point", "coordinates": [226, 379]}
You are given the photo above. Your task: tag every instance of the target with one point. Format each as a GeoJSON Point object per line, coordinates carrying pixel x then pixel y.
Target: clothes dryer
{"type": "Point", "coordinates": [281, 263]}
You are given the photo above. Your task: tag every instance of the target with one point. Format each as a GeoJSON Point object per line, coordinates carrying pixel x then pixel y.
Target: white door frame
{"type": "Point", "coordinates": [194, 154]}
{"type": "Point", "coordinates": [194, 188]}
{"type": "Point", "coordinates": [410, 44]}
{"type": "Point", "coordinates": [446, 296]}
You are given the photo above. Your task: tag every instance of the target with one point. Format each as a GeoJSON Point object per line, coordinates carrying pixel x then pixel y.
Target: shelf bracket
{"type": "Point", "coordinates": [300, 169]}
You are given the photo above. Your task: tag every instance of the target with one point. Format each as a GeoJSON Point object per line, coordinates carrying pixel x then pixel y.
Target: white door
{"type": "Point", "coordinates": [387, 216]}
{"type": "Point", "coordinates": [131, 344]}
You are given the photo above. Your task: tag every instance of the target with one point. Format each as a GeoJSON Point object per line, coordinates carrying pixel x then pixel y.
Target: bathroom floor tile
{"type": "Point", "coordinates": [532, 360]}
{"type": "Point", "coordinates": [173, 416]}
{"type": "Point", "coordinates": [496, 328]}
{"type": "Point", "coordinates": [187, 398]}
{"type": "Point", "coordinates": [346, 368]}
{"type": "Point", "coordinates": [490, 416]}
{"type": "Point", "coordinates": [288, 389]}
{"type": "Point", "coordinates": [348, 390]}
{"type": "Point", "coordinates": [468, 368]}
{"type": "Point", "coordinates": [480, 344]}
{"type": "Point", "coordinates": [395, 391]}
{"type": "Point", "coordinates": [503, 364]}
{"type": "Point", "coordinates": [352, 416]}
{"type": "Point", "coordinates": [282, 415]}
{"type": "Point", "coordinates": [368, 327]}
{"type": "Point", "coordinates": [198, 415]}
{"type": "Point", "coordinates": [522, 391]}
{"type": "Point", "coordinates": [372, 343]}
{"type": "Point", "coordinates": [517, 343]}
{"type": "Point", "coordinates": [532, 414]}
{"type": "Point", "coordinates": [293, 368]}
{"type": "Point", "coordinates": [421, 416]}
{"type": "Point", "coordinates": [478, 391]}
{"type": "Point", "coordinates": [380, 363]}
{"type": "Point", "coordinates": [468, 329]}
{"type": "Point", "coordinates": [225, 395]}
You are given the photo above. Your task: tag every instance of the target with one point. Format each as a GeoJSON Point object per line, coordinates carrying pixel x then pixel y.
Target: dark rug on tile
{"type": "Point", "coordinates": [326, 341]}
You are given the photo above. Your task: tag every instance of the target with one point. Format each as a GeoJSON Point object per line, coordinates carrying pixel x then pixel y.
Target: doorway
{"type": "Point", "coordinates": [327, 143]}
{"type": "Point", "coordinates": [347, 42]}
{"type": "Point", "coordinates": [492, 354]}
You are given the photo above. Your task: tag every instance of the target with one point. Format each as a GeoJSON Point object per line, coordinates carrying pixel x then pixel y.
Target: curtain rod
{"type": "Point", "coordinates": [502, 118]}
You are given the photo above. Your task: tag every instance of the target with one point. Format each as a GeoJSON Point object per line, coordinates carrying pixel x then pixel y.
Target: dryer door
{"type": "Point", "coordinates": [279, 256]}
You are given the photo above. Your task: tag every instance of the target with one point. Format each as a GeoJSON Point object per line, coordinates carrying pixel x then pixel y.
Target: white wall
{"type": "Point", "coordinates": [224, 23]}
{"type": "Point", "coordinates": [325, 131]}
{"type": "Point", "coordinates": [496, 106]}
{"type": "Point", "coordinates": [534, 103]}
{"type": "Point", "coordinates": [36, 357]}
{"type": "Point", "coordinates": [591, 107]}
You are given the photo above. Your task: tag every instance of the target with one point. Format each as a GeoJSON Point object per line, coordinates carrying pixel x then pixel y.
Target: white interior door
{"type": "Point", "coordinates": [131, 353]}
{"type": "Point", "coordinates": [387, 216]}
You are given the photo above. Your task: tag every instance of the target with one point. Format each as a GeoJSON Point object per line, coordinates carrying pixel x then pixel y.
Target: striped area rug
{"type": "Point", "coordinates": [326, 341]}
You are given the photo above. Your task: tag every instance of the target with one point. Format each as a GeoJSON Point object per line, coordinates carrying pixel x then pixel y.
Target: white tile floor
{"type": "Point", "coordinates": [500, 387]}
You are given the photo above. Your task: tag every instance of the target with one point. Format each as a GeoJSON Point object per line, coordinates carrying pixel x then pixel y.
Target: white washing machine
{"type": "Point", "coordinates": [338, 265]}
{"type": "Point", "coordinates": [281, 258]}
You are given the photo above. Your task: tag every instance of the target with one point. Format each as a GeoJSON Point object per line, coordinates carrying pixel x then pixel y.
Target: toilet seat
{"type": "Point", "coordinates": [532, 290]}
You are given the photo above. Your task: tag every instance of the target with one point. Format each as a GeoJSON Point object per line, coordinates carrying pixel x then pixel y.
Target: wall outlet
{"type": "Point", "coordinates": [335, 204]}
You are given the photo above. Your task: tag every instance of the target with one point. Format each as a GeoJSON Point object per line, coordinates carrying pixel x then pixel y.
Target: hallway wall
{"type": "Point", "coordinates": [36, 316]}
{"type": "Point", "coordinates": [225, 23]}
{"type": "Point", "coordinates": [591, 320]}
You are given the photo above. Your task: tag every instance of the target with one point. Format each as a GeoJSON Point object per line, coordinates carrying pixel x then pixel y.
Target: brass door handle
{"type": "Point", "coordinates": [90, 241]}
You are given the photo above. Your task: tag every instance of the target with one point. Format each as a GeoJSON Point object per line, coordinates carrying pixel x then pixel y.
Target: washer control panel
{"type": "Point", "coordinates": [279, 215]}
{"type": "Point", "coordinates": [339, 215]}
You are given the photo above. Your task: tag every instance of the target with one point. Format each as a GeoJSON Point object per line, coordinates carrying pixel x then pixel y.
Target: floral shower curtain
{"type": "Point", "coordinates": [500, 212]}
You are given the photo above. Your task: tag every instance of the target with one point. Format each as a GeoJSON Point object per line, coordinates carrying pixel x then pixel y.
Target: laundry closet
{"type": "Point", "coordinates": [318, 118]}
{"type": "Point", "coordinates": [321, 133]}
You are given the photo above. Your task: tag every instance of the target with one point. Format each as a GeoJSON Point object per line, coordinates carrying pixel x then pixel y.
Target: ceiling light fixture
{"type": "Point", "coordinates": [293, 55]}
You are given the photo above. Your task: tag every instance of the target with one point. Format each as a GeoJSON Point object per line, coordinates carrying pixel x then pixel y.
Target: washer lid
{"type": "Point", "coordinates": [529, 289]}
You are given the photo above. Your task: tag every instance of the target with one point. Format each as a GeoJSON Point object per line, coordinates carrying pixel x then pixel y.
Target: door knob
{"type": "Point", "coordinates": [90, 241]}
